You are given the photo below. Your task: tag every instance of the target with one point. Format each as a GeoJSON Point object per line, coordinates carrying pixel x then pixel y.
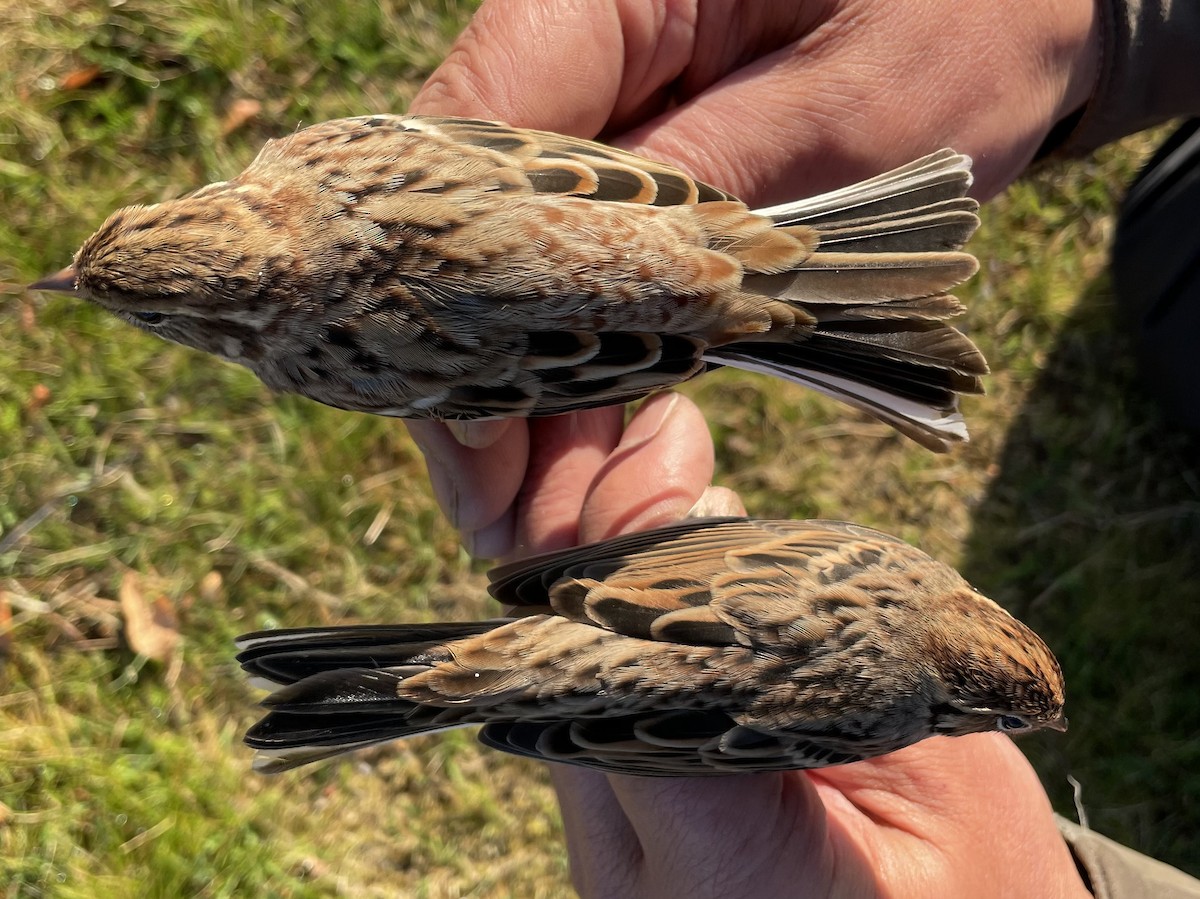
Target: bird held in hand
{"type": "Point", "coordinates": [459, 269]}
{"type": "Point", "coordinates": [714, 646]}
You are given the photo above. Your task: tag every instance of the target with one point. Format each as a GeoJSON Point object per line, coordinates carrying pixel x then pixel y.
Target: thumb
{"type": "Point", "coordinates": [538, 64]}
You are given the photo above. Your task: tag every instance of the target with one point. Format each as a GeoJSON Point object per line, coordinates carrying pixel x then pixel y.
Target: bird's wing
{"type": "Point", "coordinates": [729, 581]}
{"type": "Point", "coordinates": [435, 154]}
{"type": "Point", "coordinates": [691, 742]}
{"type": "Point", "coordinates": [556, 163]}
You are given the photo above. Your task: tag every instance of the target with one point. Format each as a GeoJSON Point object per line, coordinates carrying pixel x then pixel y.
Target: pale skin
{"type": "Point", "coordinates": [774, 100]}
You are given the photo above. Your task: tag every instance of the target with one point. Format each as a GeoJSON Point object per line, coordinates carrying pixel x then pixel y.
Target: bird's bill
{"type": "Point", "coordinates": [1059, 724]}
{"type": "Point", "coordinates": [63, 282]}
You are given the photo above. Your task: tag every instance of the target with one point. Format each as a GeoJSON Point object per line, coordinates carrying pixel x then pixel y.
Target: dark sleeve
{"type": "Point", "coordinates": [1113, 871]}
{"type": "Point", "coordinates": [1149, 71]}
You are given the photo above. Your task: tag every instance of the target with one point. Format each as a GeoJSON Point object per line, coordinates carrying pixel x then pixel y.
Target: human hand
{"type": "Point", "coordinates": [799, 98]}
{"type": "Point", "coordinates": [962, 816]}
{"type": "Point", "coordinates": [778, 99]}
{"type": "Point", "coordinates": [771, 100]}
{"type": "Point", "coordinates": [948, 817]}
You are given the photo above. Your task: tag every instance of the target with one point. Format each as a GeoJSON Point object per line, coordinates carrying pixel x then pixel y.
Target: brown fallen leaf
{"type": "Point", "coordinates": [239, 113]}
{"type": "Point", "coordinates": [78, 78]}
{"type": "Point", "coordinates": [6, 629]}
{"type": "Point", "coordinates": [312, 868]}
{"type": "Point", "coordinates": [39, 395]}
{"type": "Point", "coordinates": [211, 587]}
{"type": "Point", "coordinates": [151, 628]}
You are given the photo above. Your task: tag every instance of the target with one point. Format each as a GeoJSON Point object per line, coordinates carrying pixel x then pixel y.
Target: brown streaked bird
{"type": "Point", "coordinates": [459, 269]}
{"type": "Point", "coordinates": [713, 646]}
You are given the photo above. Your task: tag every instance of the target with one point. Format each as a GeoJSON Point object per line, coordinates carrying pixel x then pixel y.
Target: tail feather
{"type": "Point", "coordinates": [878, 278]}
{"type": "Point", "coordinates": [335, 689]}
{"type": "Point", "coordinates": [940, 176]}
{"type": "Point", "coordinates": [899, 376]}
{"type": "Point", "coordinates": [935, 308]}
{"type": "Point", "coordinates": [284, 740]}
{"type": "Point", "coordinates": [942, 226]}
{"type": "Point", "coordinates": [929, 350]}
{"type": "Point", "coordinates": [878, 339]}
{"type": "Point", "coordinates": [276, 760]}
{"type": "Point", "coordinates": [913, 387]}
{"type": "Point", "coordinates": [928, 416]}
{"type": "Point", "coordinates": [278, 658]}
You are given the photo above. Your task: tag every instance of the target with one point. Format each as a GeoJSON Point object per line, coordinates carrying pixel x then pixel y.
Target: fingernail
{"type": "Point", "coordinates": [445, 489]}
{"type": "Point", "coordinates": [650, 419]}
{"type": "Point", "coordinates": [717, 502]}
{"type": "Point", "coordinates": [478, 434]}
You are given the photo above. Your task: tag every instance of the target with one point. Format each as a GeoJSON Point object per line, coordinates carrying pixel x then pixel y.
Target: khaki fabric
{"type": "Point", "coordinates": [1117, 872]}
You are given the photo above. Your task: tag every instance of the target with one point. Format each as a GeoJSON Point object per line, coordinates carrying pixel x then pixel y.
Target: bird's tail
{"type": "Point", "coordinates": [886, 254]}
{"type": "Point", "coordinates": [335, 689]}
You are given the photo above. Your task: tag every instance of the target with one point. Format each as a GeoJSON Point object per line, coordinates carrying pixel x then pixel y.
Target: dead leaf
{"type": "Point", "coordinates": [211, 587]}
{"type": "Point", "coordinates": [79, 78]}
{"type": "Point", "coordinates": [6, 629]}
{"type": "Point", "coordinates": [164, 614]}
{"type": "Point", "coordinates": [151, 628]}
{"type": "Point", "coordinates": [240, 112]}
{"type": "Point", "coordinates": [38, 397]}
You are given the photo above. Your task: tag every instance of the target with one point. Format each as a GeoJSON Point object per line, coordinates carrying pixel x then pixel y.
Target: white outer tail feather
{"type": "Point", "coordinates": [924, 423]}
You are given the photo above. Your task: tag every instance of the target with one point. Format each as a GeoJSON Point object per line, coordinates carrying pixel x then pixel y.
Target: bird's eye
{"type": "Point", "coordinates": [1012, 723]}
{"type": "Point", "coordinates": [150, 318]}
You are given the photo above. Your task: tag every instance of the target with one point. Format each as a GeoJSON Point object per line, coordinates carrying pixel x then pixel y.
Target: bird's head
{"type": "Point", "coordinates": [995, 672]}
{"type": "Point", "coordinates": [197, 271]}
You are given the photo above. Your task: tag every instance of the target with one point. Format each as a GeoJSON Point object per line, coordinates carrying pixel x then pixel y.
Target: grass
{"type": "Point", "coordinates": [230, 509]}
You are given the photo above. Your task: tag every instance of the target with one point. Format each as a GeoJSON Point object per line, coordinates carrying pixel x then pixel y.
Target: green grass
{"type": "Point", "coordinates": [1075, 505]}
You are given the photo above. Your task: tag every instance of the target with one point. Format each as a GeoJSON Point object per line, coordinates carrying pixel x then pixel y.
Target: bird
{"type": "Point", "coordinates": [460, 269]}
{"type": "Point", "coordinates": [708, 647]}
